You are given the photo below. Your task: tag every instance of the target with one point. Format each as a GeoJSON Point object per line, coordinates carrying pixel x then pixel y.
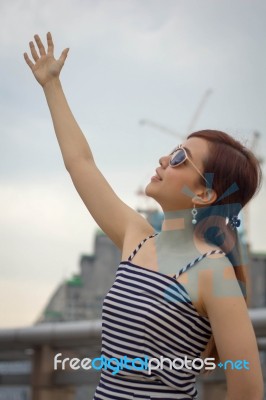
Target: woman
{"type": "Point", "coordinates": [175, 300]}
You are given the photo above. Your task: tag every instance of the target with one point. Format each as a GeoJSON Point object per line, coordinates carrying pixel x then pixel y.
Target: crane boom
{"type": "Point", "coordinates": [160, 127]}
{"type": "Point", "coordinates": [198, 111]}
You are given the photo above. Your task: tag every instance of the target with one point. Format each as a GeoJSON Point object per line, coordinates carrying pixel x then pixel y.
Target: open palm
{"type": "Point", "coordinates": [46, 67]}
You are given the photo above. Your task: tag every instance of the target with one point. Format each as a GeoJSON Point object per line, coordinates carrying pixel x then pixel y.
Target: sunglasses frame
{"type": "Point", "coordinates": [186, 158]}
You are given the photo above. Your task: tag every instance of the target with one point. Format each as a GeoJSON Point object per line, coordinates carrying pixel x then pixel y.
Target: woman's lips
{"type": "Point", "coordinates": [155, 178]}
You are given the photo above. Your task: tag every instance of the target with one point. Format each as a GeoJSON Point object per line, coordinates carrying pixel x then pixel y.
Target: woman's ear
{"type": "Point", "coordinates": [207, 196]}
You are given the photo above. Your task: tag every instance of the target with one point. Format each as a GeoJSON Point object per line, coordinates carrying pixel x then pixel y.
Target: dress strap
{"type": "Point", "coordinates": [134, 252]}
{"type": "Point", "coordinates": [186, 267]}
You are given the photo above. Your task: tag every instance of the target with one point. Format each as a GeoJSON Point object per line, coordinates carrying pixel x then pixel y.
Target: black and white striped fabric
{"type": "Point", "coordinates": [149, 314]}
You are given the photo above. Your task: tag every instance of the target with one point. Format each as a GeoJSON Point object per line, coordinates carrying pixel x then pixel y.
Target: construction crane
{"type": "Point", "coordinates": [160, 127]}
{"type": "Point", "coordinates": [198, 111]}
{"type": "Point", "coordinates": [254, 146]}
{"type": "Point", "coordinates": [191, 124]}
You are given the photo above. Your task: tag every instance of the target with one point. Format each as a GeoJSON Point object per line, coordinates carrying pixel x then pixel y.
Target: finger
{"type": "Point", "coordinates": [50, 44]}
{"type": "Point", "coordinates": [64, 55]}
{"type": "Point", "coordinates": [40, 45]}
{"type": "Point", "coordinates": [34, 52]}
{"type": "Point", "coordinates": [28, 60]}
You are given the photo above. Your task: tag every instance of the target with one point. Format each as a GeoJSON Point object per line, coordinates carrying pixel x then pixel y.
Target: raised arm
{"type": "Point", "coordinates": [110, 213]}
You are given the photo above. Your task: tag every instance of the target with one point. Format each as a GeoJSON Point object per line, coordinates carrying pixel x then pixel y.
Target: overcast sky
{"type": "Point", "coordinates": [128, 60]}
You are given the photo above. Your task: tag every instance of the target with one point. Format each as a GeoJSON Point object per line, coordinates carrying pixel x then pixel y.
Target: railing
{"type": "Point", "coordinates": [34, 348]}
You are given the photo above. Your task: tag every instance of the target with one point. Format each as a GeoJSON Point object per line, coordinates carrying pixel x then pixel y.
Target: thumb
{"type": "Point", "coordinates": [64, 55]}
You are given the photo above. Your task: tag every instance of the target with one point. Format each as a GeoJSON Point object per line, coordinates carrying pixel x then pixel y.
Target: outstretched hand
{"type": "Point", "coordinates": [46, 67]}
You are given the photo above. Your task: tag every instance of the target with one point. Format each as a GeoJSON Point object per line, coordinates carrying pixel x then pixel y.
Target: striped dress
{"type": "Point", "coordinates": [149, 314]}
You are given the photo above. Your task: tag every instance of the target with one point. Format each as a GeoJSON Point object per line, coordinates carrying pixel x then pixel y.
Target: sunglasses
{"type": "Point", "coordinates": [179, 155]}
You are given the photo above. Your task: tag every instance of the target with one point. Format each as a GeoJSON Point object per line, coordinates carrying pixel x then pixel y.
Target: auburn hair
{"type": "Point", "coordinates": [233, 171]}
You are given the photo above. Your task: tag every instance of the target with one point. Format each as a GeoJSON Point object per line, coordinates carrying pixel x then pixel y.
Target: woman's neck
{"type": "Point", "coordinates": [175, 244]}
{"type": "Point", "coordinates": [178, 224]}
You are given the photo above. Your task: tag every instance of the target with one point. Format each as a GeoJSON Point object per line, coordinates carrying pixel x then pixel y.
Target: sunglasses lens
{"type": "Point", "coordinates": [178, 157]}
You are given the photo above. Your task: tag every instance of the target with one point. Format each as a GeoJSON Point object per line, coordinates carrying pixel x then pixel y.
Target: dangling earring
{"type": "Point", "coordinates": [194, 212]}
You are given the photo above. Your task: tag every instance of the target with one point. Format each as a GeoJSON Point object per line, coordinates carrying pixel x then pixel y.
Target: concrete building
{"type": "Point", "coordinates": [81, 297]}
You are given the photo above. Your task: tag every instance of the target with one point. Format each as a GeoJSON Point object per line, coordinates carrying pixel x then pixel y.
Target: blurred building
{"type": "Point", "coordinates": [81, 297]}
{"type": "Point", "coordinates": [257, 273]}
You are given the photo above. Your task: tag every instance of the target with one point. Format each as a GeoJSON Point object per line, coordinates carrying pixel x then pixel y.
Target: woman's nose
{"type": "Point", "coordinates": [164, 161]}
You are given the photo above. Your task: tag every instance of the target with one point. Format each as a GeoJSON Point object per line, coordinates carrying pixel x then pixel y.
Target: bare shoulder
{"type": "Point", "coordinates": [212, 271]}
{"type": "Point", "coordinates": [219, 279]}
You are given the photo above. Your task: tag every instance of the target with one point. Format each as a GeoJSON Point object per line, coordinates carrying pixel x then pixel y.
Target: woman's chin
{"type": "Point", "coordinates": [149, 191]}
